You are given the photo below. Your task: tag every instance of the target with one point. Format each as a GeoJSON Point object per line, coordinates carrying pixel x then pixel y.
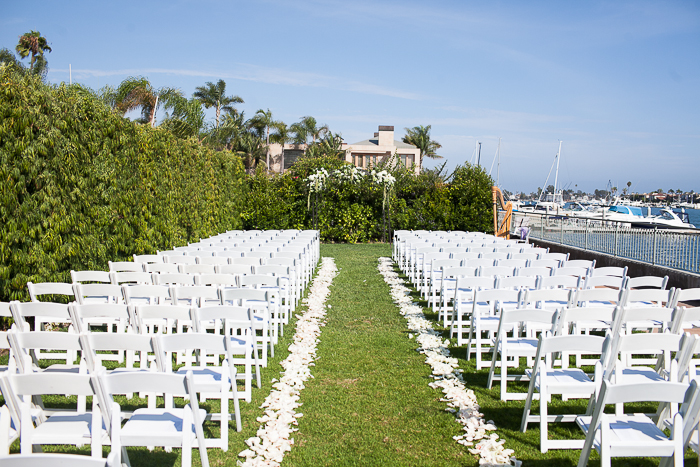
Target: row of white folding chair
{"type": "Point", "coordinates": [169, 427]}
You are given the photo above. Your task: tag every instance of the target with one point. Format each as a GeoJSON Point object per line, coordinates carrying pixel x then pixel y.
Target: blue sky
{"type": "Point", "coordinates": [617, 82]}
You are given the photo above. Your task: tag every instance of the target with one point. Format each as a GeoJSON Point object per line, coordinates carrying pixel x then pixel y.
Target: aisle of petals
{"type": "Point", "coordinates": [461, 401]}
{"type": "Point", "coordinates": [274, 436]}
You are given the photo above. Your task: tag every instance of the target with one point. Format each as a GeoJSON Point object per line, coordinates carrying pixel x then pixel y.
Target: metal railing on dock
{"type": "Point", "coordinates": [676, 249]}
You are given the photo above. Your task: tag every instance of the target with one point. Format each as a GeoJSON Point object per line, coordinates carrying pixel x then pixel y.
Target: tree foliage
{"type": "Point", "coordinates": [82, 185]}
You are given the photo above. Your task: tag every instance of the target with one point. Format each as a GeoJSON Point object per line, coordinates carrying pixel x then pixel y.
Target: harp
{"type": "Point", "coordinates": [503, 230]}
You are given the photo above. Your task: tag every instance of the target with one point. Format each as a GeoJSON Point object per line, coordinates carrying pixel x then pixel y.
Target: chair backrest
{"type": "Point", "coordinates": [125, 266]}
{"type": "Point", "coordinates": [545, 263]}
{"type": "Point", "coordinates": [571, 271]}
{"type": "Point", "coordinates": [598, 297]}
{"type": "Point", "coordinates": [81, 315]}
{"type": "Point", "coordinates": [49, 288]}
{"type": "Point", "coordinates": [232, 317]}
{"type": "Point", "coordinates": [98, 293]}
{"type": "Point", "coordinates": [24, 345]}
{"type": "Point", "coordinates": [650, 297]}
{"type": "Point", "coordinates": [161, 268]}
{"type": "Point", "coordinates": [548, 298]}
{"type": "Point", "coordinates": [90, 276]}
{"type": "Point", "coordinates": [213, 260]}
{"type": "Point", "coordinates": [273, 270]}
{"type": "Point", "coordinates": [648, 281]}
{"type": "Point", "coordinates": [516, 282]}
{"type": "Point", "coordinates": [480, 262]}
{"type": "Point", "coordinates": [174, 279]}
{"type": "Point", "coordinates": [565, 282]}
{"type": "Point", "coordinates": [526, 256]}
{"type": "Point", "coordinates": [182, 259]}
{"type": "Point", "coordinates": [570, 316]}
{"type": "Point", "coordinates": [245, 297]}
{"type": "Point", "coordinates": [194, 295]}
{"type": "Point", "coordinates": [605, 281]}
{"type": "Point", "coordinates": [250, 261]}
{"type": "Point", "coordinates": [148, 258]}
{"type": "Point", "coordinates": [686, 295]}
{"type": "Point", "coordinates": [258, 280]}
{"type": "Point", "coordinates": [533, 271]}
{"type": "Point", "coordinates": [578, 263]}
{"type": "Point", "coordinates": [94, 342]}
{"type": "Point", "coordinates": [491, 298]}
{"type": "Point", "coordinates": [503, 271]}
{"type": "Point", "coordinates": [227, 280]}
{"type": "Point", "coordinates": [158, 314]}
{"type": "Point", "coordinates": [555, 256]}
{"type": "Point", "coordinates": [131, 277]}
{"type": "Point", "coordinates": [610, 271]}
{"type": "Point", "coordinates": [512, 263]}
{"type": "Point", "coordinates": [629, 314]}
{"type": "Point", "coordinates": [237, 269]}
{"type": "Point", "coordinates": [46, 310]}
{"type": "Point", "coordinates": [197, 268]}
{"type": "Point", "coordinates": [145, 294]}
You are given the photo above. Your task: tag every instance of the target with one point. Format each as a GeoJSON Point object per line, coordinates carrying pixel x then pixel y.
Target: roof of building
{"type": "Point", "coordinates": [375, 142]}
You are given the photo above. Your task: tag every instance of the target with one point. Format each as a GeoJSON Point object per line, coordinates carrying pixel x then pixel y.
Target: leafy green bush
{"type": "Point", "coordinates": [82, 185]}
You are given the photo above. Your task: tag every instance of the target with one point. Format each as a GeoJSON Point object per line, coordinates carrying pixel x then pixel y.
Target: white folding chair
{"type": "Point", "coordinates": [260, 302]}
{"type": "Point", "coordinates": [637, 435]}
{"type": "Point", "coordinates": [648, 281]}
{"type": "Point", "coordinates": [211, 382]}
{"type": "Point", "coordinates": [547, 379]}
{"type": "Point", "coordinates": [516, 347]}
{"type": "Point", "coordinates": [76, 427]}
{"type": "Point", "coordinates": [169, 426]}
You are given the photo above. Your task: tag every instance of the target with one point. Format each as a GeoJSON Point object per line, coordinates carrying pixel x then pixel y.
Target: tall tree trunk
{"type": "Point", "coordinates": [153, 113]}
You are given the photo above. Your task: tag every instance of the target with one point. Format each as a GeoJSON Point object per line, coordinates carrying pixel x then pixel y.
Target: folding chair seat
{"type": "Point", "coordinates": [263, 308]}
{"type": "Point", "coordinates": [197, 268]}
{"type": "Point", "coordinates": [98, 293]}
{"type": "Point", "coordinates": [77, 427]}
{"type": "Point", "coordinates": [125, 266]}
{"type": "Point", "coordinates": [237, 326]}
{"type": "Point", "coordinates": [487, 306]}
{"type": "Point", "coordinates": [79, 277]}
{"type": "Point", "coordinates": [210, 381]}
{"type": "Point", "coordinates": [166, 278]}
{"type": "Point", "coordinates": [518, 346]}
{"type": "Point", "coordinates": [647, 282]}
{"type": "Point", "coordinates": [636, 435]}
{"type": "Point", "coordinates": [119, 278]}
{"type": "Point", "coordinates": [547, 379]}
{"type": "Point", "coordinates": [169, 426]}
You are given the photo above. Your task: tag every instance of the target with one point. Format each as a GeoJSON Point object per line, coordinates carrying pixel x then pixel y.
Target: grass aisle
{"type": "Point", "coordinates": [369, 402]}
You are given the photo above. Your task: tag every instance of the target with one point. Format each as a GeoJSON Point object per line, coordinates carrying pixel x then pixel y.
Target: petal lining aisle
{"type": "Point", "coordinates": [460, 400]}
{"type": "Point", "coordinates": [274, 436]}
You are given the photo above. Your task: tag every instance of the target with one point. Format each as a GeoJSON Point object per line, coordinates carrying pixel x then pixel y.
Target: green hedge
{"type": "Point", "coordinates": [82, 185]}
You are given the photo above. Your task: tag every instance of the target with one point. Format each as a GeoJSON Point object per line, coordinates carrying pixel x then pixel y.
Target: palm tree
{"type": "Point", "coordinates": [138, 92]}
{"type": "Point", "coordinates": [188, 119]}
{"type": "Point", "coordinates": [312, 129]}
{"type": "Point", "coordinates": [250, 147]}
{"type": "Point", "coordinates": [35, 44]}
{"type": "Point", "coordinates": [214, 95]}
{"type": "Point", "coordinates": [419, 136]}
{"type": "Point", "coordinates": [262, 121]}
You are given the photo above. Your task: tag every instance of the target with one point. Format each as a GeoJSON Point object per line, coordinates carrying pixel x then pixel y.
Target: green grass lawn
{"type": "Point", "coordinates": [369, 402]}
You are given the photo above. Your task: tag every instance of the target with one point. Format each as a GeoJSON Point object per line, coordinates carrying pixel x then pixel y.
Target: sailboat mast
{"type": "Point", "coordinates": [498, 167]}
{"type": "Point", "coordinates": [556, 174]}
